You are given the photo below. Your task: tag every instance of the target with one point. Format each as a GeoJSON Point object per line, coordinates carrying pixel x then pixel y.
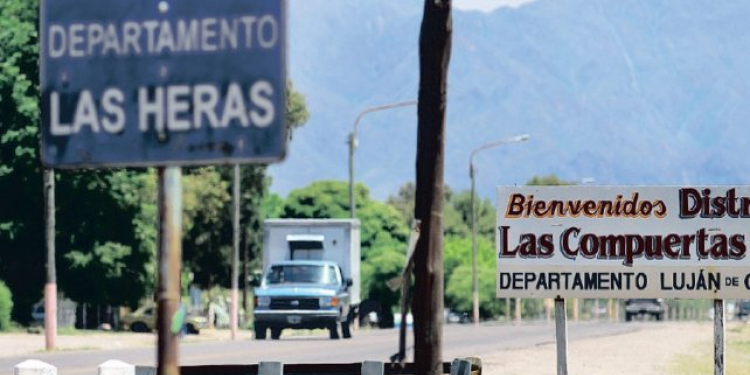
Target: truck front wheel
{"type": "Point", "coordinates": [260, 331]}
{"type": "Point", "coordinates": [275, 333]}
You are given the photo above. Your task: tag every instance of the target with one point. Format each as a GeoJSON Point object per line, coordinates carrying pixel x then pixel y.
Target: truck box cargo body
{"type": "Point", "coordinates": [335, 240]}
{"type": "Point", "coordinates": [311, 276]}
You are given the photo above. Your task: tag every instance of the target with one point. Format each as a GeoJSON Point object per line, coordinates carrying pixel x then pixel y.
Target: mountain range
{"type": "Point", "coordinates": [630, 92]}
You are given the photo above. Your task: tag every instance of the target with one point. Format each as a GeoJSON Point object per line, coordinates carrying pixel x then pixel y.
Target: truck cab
{"type": "Point", "coordinates": [302, 295]}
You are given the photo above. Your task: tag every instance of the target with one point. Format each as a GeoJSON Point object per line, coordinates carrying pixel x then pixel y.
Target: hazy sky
{"type": "Point", "coordinates": [487, 5]}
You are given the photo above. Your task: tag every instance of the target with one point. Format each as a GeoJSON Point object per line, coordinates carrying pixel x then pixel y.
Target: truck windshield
{"type": "Point", "coordinates": [297, 273]}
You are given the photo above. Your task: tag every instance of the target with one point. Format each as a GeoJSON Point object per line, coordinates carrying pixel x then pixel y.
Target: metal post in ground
{"type": "Point", "coordinates": [561, 332]}
{"type": "Point", "coordinates": [170, 259]}
{"type": "Point", "coordinates": [235, 250]}
{"type": "Point", "coordinates": [719, 330]}
{"type": "Point", "coordinates": [50, 288]}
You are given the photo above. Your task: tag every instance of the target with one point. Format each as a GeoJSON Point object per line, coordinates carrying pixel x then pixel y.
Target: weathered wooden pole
{"type": "Point", "coordinates": [170, 261]}
{"type": "Point", "coordinates": [434, 57]}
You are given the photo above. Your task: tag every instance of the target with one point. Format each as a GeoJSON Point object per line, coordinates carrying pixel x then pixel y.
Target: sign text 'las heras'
{"type": "Point", "coordinates": [686, 242]}
{"type": "Point", "coordinates": [156, 82]}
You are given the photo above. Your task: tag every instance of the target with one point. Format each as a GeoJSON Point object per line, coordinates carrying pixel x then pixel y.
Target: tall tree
{"type": "Point", "coordinates": [21, 213]}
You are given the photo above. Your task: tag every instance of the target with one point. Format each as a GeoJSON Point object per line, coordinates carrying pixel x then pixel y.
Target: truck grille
{"type": "Point", "coordinates": [295, 304]}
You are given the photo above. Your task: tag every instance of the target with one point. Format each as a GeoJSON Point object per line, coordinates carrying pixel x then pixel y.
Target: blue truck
{"type": "Point", "coordinates": [311, 277]}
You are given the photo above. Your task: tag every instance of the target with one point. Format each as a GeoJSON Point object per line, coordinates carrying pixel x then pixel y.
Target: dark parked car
{"type": "Point", "coordinates": [654, 307]}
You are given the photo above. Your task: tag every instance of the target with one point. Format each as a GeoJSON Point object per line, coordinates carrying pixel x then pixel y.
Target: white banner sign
{"type": "Point", "coordinates": [623, 242]}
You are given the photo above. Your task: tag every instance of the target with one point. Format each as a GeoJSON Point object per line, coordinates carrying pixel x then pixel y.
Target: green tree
{"type": "Point", "coordinates": [548, 180]}
{"type": "Point", "coordinates": [456, 216]}
{"type": "Point", "coordinates": [458, 291]}
{"type": "Point", "coordinates": [486, 214]}
{"type": "Point", "coordinates": [330, 199]}
{"type": "Point", "coordinates": [383, 234]}
{"type": "Point", "coordinates": [105, 253]}
{"type": "Point", "coordinates": [20, 178]}
{"type": "Point", "coordinates": [6, 306]}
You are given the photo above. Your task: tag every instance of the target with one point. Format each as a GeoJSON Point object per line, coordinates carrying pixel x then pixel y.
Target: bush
{"type": "Point", "coordinates": [6, 306]}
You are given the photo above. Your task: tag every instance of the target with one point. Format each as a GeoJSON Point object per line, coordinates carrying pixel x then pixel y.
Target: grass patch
{"type": "Point", "coordinates": [700, 360]}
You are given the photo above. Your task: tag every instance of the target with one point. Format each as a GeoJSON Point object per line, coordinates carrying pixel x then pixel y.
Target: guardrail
{"type": "Point", "coordinates": [462, 366]}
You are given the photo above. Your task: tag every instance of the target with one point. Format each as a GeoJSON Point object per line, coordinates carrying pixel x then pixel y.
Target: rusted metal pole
{"type": "Point", "coordinates": [719, 329]}
{"type": "Point", "coordinates": [50, 288]}
{"type": "Point", "coordinates": [170, 261]}
{"type": "Point", "coordinates": [434, 57]}
{"type": "Point", "coordinates": [235, 250]}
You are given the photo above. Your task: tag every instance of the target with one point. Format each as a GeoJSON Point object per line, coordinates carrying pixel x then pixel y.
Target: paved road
{"type": "Point", "coordinates": [460, 340]}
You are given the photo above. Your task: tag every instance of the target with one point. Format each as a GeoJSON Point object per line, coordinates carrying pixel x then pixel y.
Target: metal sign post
{"type": "Point", "coordinates": [163, 83]}
{"type": "Point", "coordinates": [719, 330]}
{"type": "Point", "coordinates": [150, 83]}
{"type": "Point", "coordinates": [624, 242]}
{"type": "Point", "coordinates": [169, 323]}
{"type": "Point", "coordinates": [561, 333]}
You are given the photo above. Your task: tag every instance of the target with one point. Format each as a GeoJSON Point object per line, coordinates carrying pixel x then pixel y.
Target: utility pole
{"type": "Point", "coordinates": [434, 57]}
{"type": "Point", "coordinates": [50, 289]}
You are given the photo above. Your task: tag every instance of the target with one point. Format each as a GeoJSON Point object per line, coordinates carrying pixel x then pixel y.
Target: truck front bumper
{"type": "Point", "coordinates": [302, 319]}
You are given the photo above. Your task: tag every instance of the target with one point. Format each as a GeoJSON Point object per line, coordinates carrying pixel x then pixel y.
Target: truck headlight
{"type": "Point", "coordinates": [329, 302]}
{"type": "Point", "coordinates": [262, 301]}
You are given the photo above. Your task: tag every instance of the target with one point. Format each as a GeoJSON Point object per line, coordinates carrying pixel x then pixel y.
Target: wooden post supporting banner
{"type": "Point", "coordinates": [719, 323]}
{"type": "Point", "coordinates": [561, 332]}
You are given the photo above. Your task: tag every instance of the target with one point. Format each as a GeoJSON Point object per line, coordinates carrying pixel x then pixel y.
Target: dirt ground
{"type": "Point", "coordinates": [18, 344]}
{"type": "Point", "coordinates": [644, 352]}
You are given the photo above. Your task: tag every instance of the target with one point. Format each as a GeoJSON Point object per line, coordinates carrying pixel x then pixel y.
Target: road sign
{"type": "Point", "coordinates": [623, 242]}
{"type": "Point", "coordinates": [144, 82]}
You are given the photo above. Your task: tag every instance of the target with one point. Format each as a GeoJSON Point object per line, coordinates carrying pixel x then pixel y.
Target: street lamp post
{"type": "Point", "coordinates": [474, 279]}
{"type": "Point", "coordinates": [352, 141]}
